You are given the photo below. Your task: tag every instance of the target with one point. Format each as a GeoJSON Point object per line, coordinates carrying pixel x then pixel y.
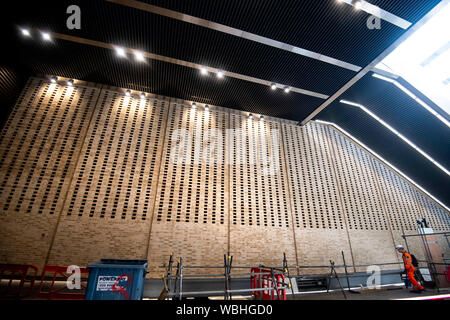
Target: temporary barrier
{"type": "Point", "coordinates": [63, 291]}
{"type": "Point", "coordinates": [19, 272]}
{"type": "Point", "coordinates": [112, 279]}
{"type": "Point", "coordinates": [270, 280]}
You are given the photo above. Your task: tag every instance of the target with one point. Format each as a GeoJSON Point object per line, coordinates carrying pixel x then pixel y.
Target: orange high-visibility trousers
{"type": "Point", "coordinates": [409, 268]}
{"type": "Point", "coordinates": [410, 274]}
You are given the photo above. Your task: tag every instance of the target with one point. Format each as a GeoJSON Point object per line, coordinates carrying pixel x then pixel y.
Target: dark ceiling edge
{"type": "Point", "coordinates": [378, 59]}
{"type": "Point", "coordinates": [404, 177]}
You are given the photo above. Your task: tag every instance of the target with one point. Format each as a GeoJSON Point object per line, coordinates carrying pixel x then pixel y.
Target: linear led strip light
{"type": "Point", "coordinates": [380, 158]}
{"type": "Point", "coordinates": [414, 97]}
{"type": "Point", "coordinates": [437, 164]}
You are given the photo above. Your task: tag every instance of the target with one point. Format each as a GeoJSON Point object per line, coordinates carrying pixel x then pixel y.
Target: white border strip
{"type": "Point", "coordinates": [414, 97]}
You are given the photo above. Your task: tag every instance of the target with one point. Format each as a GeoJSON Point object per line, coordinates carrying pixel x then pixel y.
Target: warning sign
{"type": "Point", "coordinates": [106, 283]}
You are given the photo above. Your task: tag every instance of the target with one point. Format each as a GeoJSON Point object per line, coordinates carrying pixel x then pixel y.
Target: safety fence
{"type": "Point", "coordinates": [60, 289]}
{"type": "Point", "coordinates": [19, 280]}
{"type": "Point", "coordinates": [23, 273]}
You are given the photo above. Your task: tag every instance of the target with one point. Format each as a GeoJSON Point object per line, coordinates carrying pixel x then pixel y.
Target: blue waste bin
{"type": "Point", "coordinates": [113, 279]}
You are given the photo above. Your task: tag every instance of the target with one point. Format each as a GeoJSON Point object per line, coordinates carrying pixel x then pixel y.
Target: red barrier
{"type": "Point", "coordinates": [22, 270]}
{"type": "Point", "coordinates": [261, 279]}
{"type": "Point", "coordinates": [63, 292]}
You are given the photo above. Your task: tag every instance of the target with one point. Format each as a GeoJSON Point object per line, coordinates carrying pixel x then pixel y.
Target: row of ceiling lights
{"type": "Point", "coordinates": [142, 95]}
{"type": "Point", "coordinates": [69, 82]}
{"type": "Point", "coordinates": [44, 35]}
{"type": "Point", "coordinates": [140, 57]}
{"type": "Point", "coordinates": [250, 116]}
{"type": "Point", "coordinates": [204, 72]}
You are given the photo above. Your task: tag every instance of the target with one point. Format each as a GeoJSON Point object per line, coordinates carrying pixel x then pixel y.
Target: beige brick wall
{"type": "Point", "coordinates": [109, 206]}
{"type": "Point", "coordinates": [38, 151]}
{"type": "Point", "coordinates": [316, 247]}
{"type": "Point", "coordinates": [83, 240]}
{"type": "Point", "coordinates": [191, 210]}
{"type": "Point", "coordinates": [97, 168]}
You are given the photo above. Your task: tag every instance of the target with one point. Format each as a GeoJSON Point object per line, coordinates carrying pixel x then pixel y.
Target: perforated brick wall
{"type": "Point", "coordinates": [87, 173]}
{"type": "Point", "coordinates": [110, 202]}
{"type": "Point", "coordinates": [191, 210]}
{"type": "Point", "coordinates": [39, 147]}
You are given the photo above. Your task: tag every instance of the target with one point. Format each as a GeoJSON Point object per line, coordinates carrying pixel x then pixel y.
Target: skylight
{"type": "Point", "coordinates": [424, 59]}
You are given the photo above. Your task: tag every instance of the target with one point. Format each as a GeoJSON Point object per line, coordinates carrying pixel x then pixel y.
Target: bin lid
{"type": "Point", "coordinates": [120, 263]}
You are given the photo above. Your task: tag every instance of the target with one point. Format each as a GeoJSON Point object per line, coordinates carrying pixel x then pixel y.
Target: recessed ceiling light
{"type": "Point", "coordinates": [26, 32]}
{"type": "Point", "coordinates": [261, 118]}
{"type": "Point", "coordinates": [287, 89]}
{"type": "Point", "coordinates": [220, 74]}
{"type": "Point", "coordinates": [142, 95]}
{"type": "Point", "coordinates": [128, 93]}
{"type": "Point", "coordinates": [250, 116]}
{"type": "Point", "coordinates": [203, 71]}
{"type": "Point", "coordinates": [139, 56]}
{"type": "Point", "coordinates": [53, 79]}
{"type": "Point", "coordinates": [46, 36]}
{"type": "Point", "coordinates": [193, 105]}
{"type": "Point", "coordinates": [357, 4]}
{"type": "Point", "coordinates": [273, 86]}
{"type": "Point", "coordinates": [70, 82]}
{"type": "Point", "coordinates": [206, 108]}
{"type": "Point", "coordinates": [121, 52]}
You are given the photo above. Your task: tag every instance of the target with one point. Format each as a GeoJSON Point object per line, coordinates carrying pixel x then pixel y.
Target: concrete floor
{"type": "Point", "coordinates": [382, 294]}
{"type": "Point", "coordinates": [387, 293]}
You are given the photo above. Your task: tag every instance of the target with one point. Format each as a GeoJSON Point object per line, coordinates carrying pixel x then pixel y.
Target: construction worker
{"type": "Point", "coordinates": [409, 269]}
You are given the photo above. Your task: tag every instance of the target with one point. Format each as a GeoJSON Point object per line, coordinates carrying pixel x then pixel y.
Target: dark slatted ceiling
{"type": "Point", "coordinates": [338, 29]}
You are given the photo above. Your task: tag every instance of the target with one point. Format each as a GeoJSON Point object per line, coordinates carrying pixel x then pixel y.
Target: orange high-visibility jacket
{"type": "Point", "coordinates": [407, 260]}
